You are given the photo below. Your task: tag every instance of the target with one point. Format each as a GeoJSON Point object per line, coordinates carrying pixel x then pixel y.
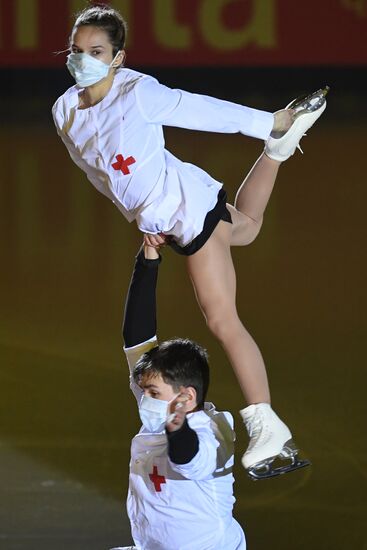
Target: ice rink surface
{"type": "Point", "coordinates": [66, 414]}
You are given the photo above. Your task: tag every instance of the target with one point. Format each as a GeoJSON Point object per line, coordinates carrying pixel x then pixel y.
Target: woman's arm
{"type": "Point", "coordinates": [171, 107]}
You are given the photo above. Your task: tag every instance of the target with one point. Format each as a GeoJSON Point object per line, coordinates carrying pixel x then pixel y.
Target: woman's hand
{"type": "Point", "coordinates": [155, 241]}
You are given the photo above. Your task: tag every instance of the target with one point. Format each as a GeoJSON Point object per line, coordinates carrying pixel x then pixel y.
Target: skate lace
{"type": "Point", "coordinates": [257, 431]}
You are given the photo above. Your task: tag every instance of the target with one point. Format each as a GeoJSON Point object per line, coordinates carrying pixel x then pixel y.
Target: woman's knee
{"type": "Point", "coordinates": [223, 325]}
{"type": "Point", "coordinates": [247, 233]}
{"type": "Point", "coordinates": [254, 230]}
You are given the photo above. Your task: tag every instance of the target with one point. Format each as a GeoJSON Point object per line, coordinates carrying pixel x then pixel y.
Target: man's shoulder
{"type": "Point", "coordinates": [214, 414]}
{"type": "Point", "coordinates": [221, 423]}
{"type": "Point", "coordinates": [209, 415]}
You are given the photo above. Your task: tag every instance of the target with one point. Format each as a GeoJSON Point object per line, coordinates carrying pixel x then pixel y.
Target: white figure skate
{"type": "Point", "coordinates": [307, 110]}
{"type": "Point", "coordinates": [124, 548]}
{"type": "Point", "coordinates": [269, 439]}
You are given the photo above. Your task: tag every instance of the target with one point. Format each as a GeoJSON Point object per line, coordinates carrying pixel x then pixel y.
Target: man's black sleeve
{"type": "Point", "coordinates": [140, 323]}
{"type": "Point", "coordinates": [183, 444]}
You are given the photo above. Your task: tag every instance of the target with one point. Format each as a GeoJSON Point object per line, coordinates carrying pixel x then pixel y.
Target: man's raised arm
{"type": "Point", "coordinates": [140, 324]}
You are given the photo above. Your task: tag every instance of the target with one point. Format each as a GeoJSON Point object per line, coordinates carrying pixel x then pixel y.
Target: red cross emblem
{"type": "Point", "coordinates": [157, 479]}
{"type": "Point", "coordinates": [123, 164]}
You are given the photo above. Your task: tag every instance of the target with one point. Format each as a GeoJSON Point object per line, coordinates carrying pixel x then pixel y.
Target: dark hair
{"type": "Point", "coordinates": [107, 19]}
{"type": "Point", "coordinates": [180, 362]}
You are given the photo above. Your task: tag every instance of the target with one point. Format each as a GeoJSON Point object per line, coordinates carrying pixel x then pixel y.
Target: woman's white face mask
{"type": "Point", "coordinates": [87, 70]}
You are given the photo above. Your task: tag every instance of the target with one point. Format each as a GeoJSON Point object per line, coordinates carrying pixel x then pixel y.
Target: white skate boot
{"type": "Point", "coordinates": [307, 110]}
{"type": "Point", "coordinates": [124, 548]}
{"type": "Point", "coordinates": [269, 439]}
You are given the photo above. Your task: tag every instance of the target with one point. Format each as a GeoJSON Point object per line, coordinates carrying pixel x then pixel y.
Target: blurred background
{"type": "Point", "coordinates": [66, 414]}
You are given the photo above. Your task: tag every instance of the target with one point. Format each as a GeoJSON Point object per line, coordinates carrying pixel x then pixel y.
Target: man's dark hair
{"type": "Point", "coordinates": [180, 362]}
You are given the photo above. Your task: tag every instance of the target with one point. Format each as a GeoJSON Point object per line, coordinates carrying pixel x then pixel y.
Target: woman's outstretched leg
{"type": "Point", "coordinates": [214, 279]}
{"type": "Point", "coordinates": [213, 276]}
{"type": "Point", "coordinates": [251, 200]}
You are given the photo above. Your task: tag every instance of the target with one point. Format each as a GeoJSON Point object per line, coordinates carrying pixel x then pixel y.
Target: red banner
{"type": "Point", "coordinates": [197, 32]}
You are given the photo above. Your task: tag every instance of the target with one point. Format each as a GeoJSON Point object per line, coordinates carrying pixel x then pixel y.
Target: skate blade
{"type": "Point", "coordinates": [308, 103]}
{"type": "Point", "coordinates": [266, 469]}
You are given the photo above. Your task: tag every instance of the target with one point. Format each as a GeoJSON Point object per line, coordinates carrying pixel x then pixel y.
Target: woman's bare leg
{"type": "Point", "coordinates": [212, 273]}
{"type": "Point", "coordinates": [251, 200]}
{"type": "Point", "coordinates": [214, 280]}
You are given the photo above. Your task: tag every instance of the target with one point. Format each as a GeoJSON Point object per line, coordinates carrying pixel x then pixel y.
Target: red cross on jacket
{"type": "Point", "coordinates": [157, 479]}
{"type": "Point", "coordinates": [123, 164]}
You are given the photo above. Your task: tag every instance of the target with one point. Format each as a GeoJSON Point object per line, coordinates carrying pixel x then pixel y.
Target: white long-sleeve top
{"type": "Point", "coordinates": [119, 144]}
{"type": "Point", "coordinates": [183, 506]}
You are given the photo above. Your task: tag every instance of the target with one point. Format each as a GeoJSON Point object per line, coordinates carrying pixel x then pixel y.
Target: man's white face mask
{"type": "Point", "coordinates": [87, 70]}
{"type": "Point", "coordinates": [153, 413]}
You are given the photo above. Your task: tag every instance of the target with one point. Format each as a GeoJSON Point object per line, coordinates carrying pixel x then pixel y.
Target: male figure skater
{"type": "Point", "coordinates": [181, 482]}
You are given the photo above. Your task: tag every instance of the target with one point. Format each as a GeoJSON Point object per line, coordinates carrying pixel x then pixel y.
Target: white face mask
{"type": "Point", "coordinates": [153, 413]}
{"type": "Point", "coordinates": [87, 70]}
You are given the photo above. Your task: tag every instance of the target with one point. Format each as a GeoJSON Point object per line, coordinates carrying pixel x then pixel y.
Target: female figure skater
{"type": "Point", "coordinates": [111, 123]}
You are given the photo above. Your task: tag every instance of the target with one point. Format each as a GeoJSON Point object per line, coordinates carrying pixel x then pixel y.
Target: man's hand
{"type": "Point", "coordinates": [177, 411]}
{"type": "Point", "coordinates": [150, 252]}
{"type": "Point", "coordinates": [155, 241]}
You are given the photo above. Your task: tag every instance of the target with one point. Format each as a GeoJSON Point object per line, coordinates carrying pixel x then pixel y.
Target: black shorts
{"type": "Point", "coordinates": [219, 212]}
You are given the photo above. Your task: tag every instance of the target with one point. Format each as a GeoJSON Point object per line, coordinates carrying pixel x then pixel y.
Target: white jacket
{"type": "Point", "coordinates": [119, 144]}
